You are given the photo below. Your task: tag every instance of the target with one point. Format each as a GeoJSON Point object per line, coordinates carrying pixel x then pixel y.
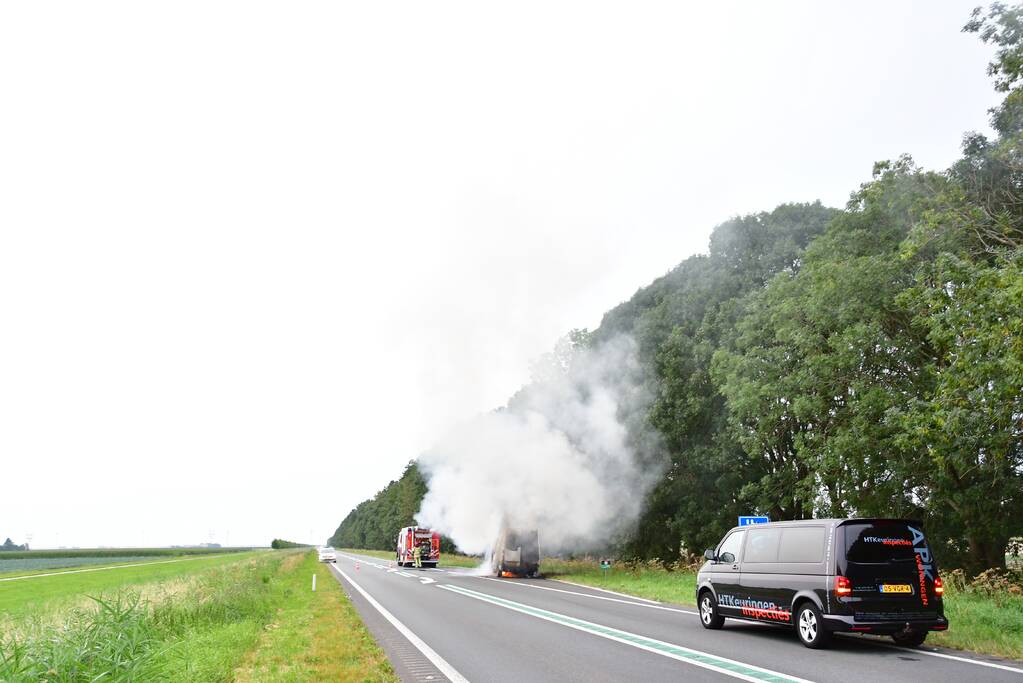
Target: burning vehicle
{"type": "Point", "coordinates": [516, 553]}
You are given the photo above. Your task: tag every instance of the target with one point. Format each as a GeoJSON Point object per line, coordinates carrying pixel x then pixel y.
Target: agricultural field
{"type": "Point", "coordinates": [25, 561]}
{"type": "Point", "coordinates": [241, 616]}
{"type": "Point", "coordinates": [22, 594]}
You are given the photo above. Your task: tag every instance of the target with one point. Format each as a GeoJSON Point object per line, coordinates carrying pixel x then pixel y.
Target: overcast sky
{"type": "Point", "coordinates": [256, 256]}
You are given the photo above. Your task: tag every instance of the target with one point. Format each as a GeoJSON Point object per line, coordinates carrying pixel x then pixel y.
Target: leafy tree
{"type": "Point", "coordinates": [967, 423]}
{"type": "Point", "coordinates": [991, 171]}
{"type": "Point", "coordinates": [374, 523]}
{"type": "Point", "coordinates": [822, 362]}
{"type": "Point", "coordinates": [816, 357]}
{"type": "Point", "coordinates": [693, 310]}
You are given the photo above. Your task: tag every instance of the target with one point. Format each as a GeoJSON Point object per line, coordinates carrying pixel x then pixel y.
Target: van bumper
{"type": "Point", "coordinates": [840, 622]}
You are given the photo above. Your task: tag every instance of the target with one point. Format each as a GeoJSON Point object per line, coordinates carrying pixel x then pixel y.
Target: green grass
{"type": "Point", "coordinates": [28, 561]}
{"type": "Point", "coordinates": [983, 623]}
{"type": "Point", "coordinates": [194, 624]}
{"type": "Point", "coordinates": [251, 618]}
{"type": "Point", "coordinates": [36, 595]}
{"type": "Point", "coordinates": [446, 559]}
{"type": "Point", "coordinates": [315, 636]}
{"type": "Point", "coordinates": [114, 552]}
{"type": "Point", "coordinates": [39, 565]}
{"type": "Point", "coordinates": [644, 581]}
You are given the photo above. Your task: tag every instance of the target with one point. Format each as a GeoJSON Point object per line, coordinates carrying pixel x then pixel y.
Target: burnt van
{"type": "Point", "coordinates": [516, 553]}
{"type": "Point", "coordinates": [825, 575]}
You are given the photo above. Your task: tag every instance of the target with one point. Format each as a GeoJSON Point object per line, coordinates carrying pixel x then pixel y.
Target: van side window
{"type": "Point", "coordinates": [762, 545]}
{"type": "Point", "coordinates": [732, 545]}
{"type": "Point", "coordinates": [802, 544]}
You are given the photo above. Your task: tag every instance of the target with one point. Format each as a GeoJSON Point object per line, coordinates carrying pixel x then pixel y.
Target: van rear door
{"type": "Point", "coordinates": [890, 567]}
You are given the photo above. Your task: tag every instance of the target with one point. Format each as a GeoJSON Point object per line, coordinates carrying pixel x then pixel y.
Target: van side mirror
{"type": "Point", "coordinates": [709, 554]}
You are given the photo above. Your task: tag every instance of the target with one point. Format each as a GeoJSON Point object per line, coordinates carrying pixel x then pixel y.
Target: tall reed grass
{"type": "Point", "coordinates": [123, 637]}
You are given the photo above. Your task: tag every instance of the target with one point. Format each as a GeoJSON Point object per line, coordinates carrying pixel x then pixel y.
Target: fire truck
{"type": "Point", "coordinates": [411, 536]}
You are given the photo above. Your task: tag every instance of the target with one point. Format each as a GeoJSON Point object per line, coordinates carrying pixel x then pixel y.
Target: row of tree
{"type": "Point", "coordinates": [11, 545]}
{"type": "Point", "coordinates": [374, 523]}
{"type": "Point", "coordinates": [822, 362]}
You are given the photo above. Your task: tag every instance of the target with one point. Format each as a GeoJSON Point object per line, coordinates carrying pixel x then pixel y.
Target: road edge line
{"type": "Point", "coordinates": [417, 642]}
{"type": "Point", "coordinates": [601, 631]}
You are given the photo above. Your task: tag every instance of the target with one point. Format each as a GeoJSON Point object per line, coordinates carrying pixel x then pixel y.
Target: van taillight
{"type": "Point", "coordinates": [939, 587]}
{"type": "Point", "coordinates": [842, 586]}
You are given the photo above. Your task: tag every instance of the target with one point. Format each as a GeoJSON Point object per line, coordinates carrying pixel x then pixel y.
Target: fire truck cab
{"type": "Point", "coordinates": [411, 536]}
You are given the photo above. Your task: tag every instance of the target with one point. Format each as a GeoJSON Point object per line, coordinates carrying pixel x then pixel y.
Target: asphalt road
{"type": "Point", "coordinates": [447, 624]}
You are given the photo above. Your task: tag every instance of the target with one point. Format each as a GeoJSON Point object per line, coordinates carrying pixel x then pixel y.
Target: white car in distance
{"type": "Point", "coordinates": [327, 554]}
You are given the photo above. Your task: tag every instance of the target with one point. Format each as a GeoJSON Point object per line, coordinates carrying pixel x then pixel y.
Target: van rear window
{"type": "Point", "coordinates": [876, 543]}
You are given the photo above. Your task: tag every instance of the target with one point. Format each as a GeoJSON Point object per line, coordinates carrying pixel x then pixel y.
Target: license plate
{"type": "Point", "coordinates": [896, 588]}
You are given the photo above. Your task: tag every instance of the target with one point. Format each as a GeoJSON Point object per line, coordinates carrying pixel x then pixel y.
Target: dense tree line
{"type": "Point", "coordinates": [374, 523]}
{"type": "Point", "coordinates": [280, 544]}
{"type": "Point", "coordinates": [822, 362]}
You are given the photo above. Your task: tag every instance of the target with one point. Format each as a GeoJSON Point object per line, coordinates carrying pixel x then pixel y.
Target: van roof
{"type": "Point", "coordinates": [832, 520]}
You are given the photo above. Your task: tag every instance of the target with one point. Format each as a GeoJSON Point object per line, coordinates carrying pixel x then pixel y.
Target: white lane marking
{"type": "Point", "coordinates": [406, 575]}
{"type": "Point", "coordinates": [756, 674]}
{"type": "Point", "coordinates": [604, 590]}
{"type": "Point", "coordinates": [404, 630]}
{"type": "Point", "coordinates": [931, 653]}
{"type": "Point", "coordinates": [100, 569]}
{"type": "Point", "coordinates": [425, 580]}
{"type": "Point", "coordinates": [587, 595]}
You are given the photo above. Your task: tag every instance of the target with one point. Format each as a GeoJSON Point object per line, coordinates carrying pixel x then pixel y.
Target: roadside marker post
{"type": "Point", "coordinates": [314, 583]}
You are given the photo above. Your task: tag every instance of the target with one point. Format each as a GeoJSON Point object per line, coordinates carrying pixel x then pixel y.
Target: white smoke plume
{"type": "Point", "coordinates": [560, 458]}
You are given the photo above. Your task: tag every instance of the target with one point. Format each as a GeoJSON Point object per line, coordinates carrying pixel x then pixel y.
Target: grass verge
{"type": "Point", "coordinates": [982, 623]}
{"type": "Point", "coordinates": [644, 581]}
{"type": "Point", "coordinates": [446, 559]}
{"type": "Point", "coordinates": [315, 636]}
{"type": "Point", "coordinates": [216, 624]}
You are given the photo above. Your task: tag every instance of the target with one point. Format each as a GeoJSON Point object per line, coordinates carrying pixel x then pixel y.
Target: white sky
{"type": "Point", "coordinates": [256, 256]}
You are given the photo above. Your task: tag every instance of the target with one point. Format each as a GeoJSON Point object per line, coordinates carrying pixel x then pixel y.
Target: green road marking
{"type": "Point", "coordinates": [746, 672]}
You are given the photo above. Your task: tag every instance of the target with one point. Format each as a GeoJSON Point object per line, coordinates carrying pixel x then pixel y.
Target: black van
{"type": "Point", "coordinates": [825, 575]}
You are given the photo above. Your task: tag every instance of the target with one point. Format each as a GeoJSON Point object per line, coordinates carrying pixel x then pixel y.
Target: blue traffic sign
{"type": "Point", "coordinates": [746, 521]}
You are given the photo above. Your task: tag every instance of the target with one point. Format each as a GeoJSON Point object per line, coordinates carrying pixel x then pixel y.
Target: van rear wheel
{"type": "Point", "coordinates": [911, 639]}
{"type": "Point", "coordinates": [709, 616]}
{"type": "Point", "coordinates": [810, 626]}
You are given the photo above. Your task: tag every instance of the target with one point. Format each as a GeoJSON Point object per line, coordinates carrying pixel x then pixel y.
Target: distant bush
{"type": "Point", "coordinates": [280, 544]}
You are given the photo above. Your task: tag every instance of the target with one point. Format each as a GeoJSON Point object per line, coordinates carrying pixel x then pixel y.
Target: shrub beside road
{"type": "Point", "coordinates": [211, 619]}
